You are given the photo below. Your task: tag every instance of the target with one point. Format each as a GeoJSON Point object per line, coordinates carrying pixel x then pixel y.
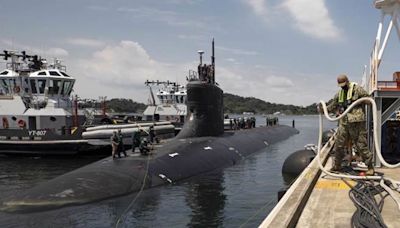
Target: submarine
{"type": "Point", "coordinates": [201, 146]}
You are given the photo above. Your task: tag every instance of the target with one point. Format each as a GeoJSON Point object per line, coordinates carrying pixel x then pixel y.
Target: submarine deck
{"type": "Point", "coordinates": [317, 200]}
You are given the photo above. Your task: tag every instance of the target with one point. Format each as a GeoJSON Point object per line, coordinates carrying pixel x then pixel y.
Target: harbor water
{"type": "Point", "coordinates": [237, 196]}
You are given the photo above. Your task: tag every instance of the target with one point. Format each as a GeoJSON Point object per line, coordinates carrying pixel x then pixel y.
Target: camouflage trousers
{"type": "Point", "coordinates": [355, 133]}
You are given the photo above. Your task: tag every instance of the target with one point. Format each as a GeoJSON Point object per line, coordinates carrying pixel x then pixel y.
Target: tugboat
{"type": "Point", "coordinates": [172, 102]}
{"type": "Point", "coordinates": [37, 112]}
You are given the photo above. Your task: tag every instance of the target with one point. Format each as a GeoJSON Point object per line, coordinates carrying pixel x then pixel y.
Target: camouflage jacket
{"type": "Point", "coordinates": [357, 113]}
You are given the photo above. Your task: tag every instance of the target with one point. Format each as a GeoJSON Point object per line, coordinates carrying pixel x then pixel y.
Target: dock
{"type": "Point", "coordinates": [317, 200]}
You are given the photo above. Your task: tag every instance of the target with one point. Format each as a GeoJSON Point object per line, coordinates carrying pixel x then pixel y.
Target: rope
{"type": "Point", "coordinates": [121, 218]}
{"type": "Point", "coordinates": [368, 210]}
{"type": "Point", "coordinates": [263, 207]}
{"type": "Point", "coordinates": [257, 212]}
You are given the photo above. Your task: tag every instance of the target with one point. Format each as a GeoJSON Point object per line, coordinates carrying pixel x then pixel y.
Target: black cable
{"type": "Point", "coordinates": [368, 209]}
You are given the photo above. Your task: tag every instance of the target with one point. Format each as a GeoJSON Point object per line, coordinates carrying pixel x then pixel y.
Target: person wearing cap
{"type": "Point", "coordinates": [352, 127]}
{"type": "Point", "coordinates": [114, 143]}
{"type": "Point", "coordinates": [121, 147]}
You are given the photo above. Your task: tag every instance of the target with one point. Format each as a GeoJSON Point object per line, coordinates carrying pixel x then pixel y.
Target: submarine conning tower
{"type": "Point", "coordinates": [204, 102]}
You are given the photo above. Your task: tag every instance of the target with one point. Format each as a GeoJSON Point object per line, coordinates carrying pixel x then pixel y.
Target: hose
{"type": "Point", "coordinates": [395, 184]}
{"type": "Point", "coordinates": [375, 126]}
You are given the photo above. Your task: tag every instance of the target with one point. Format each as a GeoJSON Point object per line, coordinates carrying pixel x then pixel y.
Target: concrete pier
{"type": "Point", "coordinates": [317, 200]}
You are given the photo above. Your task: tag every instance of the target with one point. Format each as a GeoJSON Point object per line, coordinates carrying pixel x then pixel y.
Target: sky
{"type": "Point", "coordinates": [286, 51]}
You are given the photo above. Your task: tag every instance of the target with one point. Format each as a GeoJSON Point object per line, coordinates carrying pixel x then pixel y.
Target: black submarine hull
{"type": "Point", "coordinates": [175, 160]}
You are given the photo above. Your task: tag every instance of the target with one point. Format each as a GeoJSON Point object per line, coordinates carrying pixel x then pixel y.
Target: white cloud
{"type": "Point", "coordinates": [278, 82]}
{"type": "Point", "coordinates": [191, 37]}
{"type": "Point", "coordinates": [312, 18]}
{"type": "Point", "coordinates": [121, 70]}
{"type": "Point", "coordinates": [56, 52]}
{"type": "Point", "coordinates": [169, 17]}
{"type": "Point", "coordinates": [85, 42]}
{"type": "Point", "coordinates": [258, 6]}
{"type": "Point", "coordinates": [236, 51]}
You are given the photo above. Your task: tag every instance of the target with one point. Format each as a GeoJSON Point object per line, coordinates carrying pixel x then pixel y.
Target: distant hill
{"type": "Point", "coordinates": [125, 105]}
{"type": "Point", "coordinates": [238, 104]}
{"type": "Point", "coordinates": [232, 104]}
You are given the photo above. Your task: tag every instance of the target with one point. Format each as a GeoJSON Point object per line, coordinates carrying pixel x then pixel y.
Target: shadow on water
{"type": "Point", "coordinates": [205, 196]}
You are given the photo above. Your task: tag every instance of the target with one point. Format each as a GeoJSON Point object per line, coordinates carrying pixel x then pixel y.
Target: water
{"type": "Point", "coordinates": [237, 196]}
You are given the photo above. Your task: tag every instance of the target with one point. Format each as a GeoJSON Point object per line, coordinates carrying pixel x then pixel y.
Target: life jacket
{"type": "Point", "coordinates": [345, 102]}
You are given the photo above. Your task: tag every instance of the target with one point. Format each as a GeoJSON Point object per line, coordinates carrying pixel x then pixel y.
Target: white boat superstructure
{"type": "Point", "coordinates": [36, 95]}
{"type": "Point", "coordinates": [172, 102]}
{"type": "Point", "coordinates": [36, 106]}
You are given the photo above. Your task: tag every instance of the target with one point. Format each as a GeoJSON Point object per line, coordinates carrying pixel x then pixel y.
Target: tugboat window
{"type": "Point", "coordinates": [65, 87]}
{"type": "Point", "coordinates": [4, 86]}
{"type": "Point", "coordinates": [33, 86]}
{"type": "Point", "coordinates": [4, 73]}
{"type": "Point", "coordinates": [42, 85]}
{"type": "Point", "coordinates": [66, 75]}
{"type": "Point", "coordinates": [42, 73]}
{"type": "Point", "coordinates": [54, 87]}
{"type": "Point", "coordinates": [14, 118]}
{"type": "Point", "coordinates": [54, 73]}
{"type": "Point", "coordinates": [70, 88]}
{"type": "Point", "coordinates": [52, 118]}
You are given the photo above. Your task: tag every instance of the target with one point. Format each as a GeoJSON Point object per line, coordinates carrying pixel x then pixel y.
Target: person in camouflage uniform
{"type": "Point", "coordinates": [352, 127]}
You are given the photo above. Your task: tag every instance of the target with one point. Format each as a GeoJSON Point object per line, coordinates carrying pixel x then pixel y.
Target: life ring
{"type": "Point", "coordinates": [21, 123]}
{"type": "Point", "coordinates": [5, 123]}
{"type": "Point", "coordinates": [17, 89]}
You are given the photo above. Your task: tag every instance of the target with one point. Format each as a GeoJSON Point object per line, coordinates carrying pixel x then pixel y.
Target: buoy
{"type": "Point", "coordinates": [21, 123]}
{"type": "Point", "coordinates": [17, 89]}
{"type": "Point", "coordinates": [297, 162]}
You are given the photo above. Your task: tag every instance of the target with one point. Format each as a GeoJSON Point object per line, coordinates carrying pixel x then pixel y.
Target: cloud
{"type": "Point", "coordinates": [45, 52]}
{"type": "Point", "coordinates": [258, 6]}
{"type": "Point", "coordinates": [169, 17]}
{"type": "Point", "coordinates": [97, 8]}
{"type": "Point", "coordinates": [121, 70]}
{"type": "Point", "coordinates": [312, 18]}
{"type": "Point", "coordinates": [190, 2]}
{"type": "Point", "coordinates": [236, 51]}
{"type": "Point", "coordinates": [56, 52]}
{"type": "Point", "coordinates": [85, 42]}
{"type": "Point", "coordinates": [278, 82]}
{"type": "Point", "coordinates": [191, 37]}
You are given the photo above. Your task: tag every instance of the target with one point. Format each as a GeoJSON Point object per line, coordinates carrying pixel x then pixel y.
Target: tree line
{"type": "Point", "coordinates": [232, 104]}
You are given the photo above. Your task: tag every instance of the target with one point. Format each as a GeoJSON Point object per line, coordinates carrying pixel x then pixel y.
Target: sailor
{"type": "Point", "coordinates": [144, 147]}
{"type": "Point", "coordinates": [114, 144]}
{"type": "Point", "coordinates": [136, 139]}
{"type": "Point", "coordinates": [121, 147]}
{"type": "Point", "coordinates": [352, 127]}
{"type": "Point", "coordinates": [151, 134]}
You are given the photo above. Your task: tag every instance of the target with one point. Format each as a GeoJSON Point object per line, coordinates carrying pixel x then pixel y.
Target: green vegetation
{"type": "Point", "coordinates": [232, 104]}
{"type": "Point", "coordinates": [238, 104]}
{"type": "Point", "coordinates": [125, 105]}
